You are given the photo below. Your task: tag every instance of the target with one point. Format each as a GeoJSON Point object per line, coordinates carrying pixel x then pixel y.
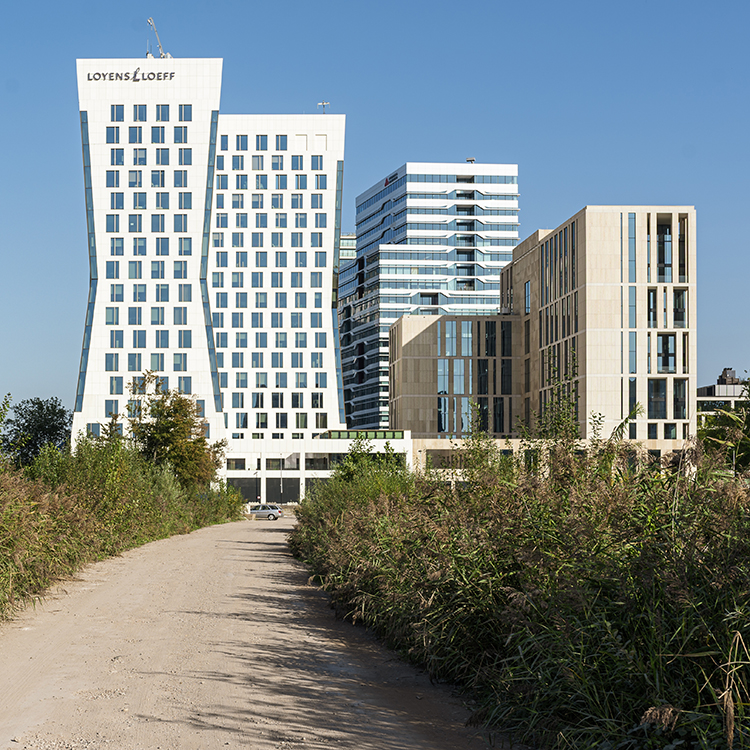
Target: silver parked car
{"type": "Point", "coordinates": [271, 512]}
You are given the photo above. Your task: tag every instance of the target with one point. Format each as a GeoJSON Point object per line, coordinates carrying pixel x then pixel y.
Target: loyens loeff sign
{"type": "Point", "coordinates": [136, 76]}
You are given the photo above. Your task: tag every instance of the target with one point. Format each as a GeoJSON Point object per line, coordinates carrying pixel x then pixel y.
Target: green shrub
{"type": "Point", "coordinates": [584, 597]}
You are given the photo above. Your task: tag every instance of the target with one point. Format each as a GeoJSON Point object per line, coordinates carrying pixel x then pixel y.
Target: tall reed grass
{"type": "Point", "coordinates": [589, 600]}
{"type": "Point", "coordinates": [68, 509]}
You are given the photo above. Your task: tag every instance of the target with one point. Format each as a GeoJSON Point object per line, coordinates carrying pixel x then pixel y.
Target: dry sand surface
{"type": "Point", "coordinates": [210, 640]}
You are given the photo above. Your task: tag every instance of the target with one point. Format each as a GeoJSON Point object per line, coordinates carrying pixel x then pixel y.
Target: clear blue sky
{"type": "Point", "coordinates": [597, 102]}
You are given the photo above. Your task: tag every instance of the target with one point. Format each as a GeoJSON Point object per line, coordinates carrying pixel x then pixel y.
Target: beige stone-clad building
{"type": "Point", "coordinates": [605, 304]}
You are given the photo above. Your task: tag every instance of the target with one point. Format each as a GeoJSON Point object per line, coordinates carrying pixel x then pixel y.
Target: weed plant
{"type": "Point", "coordinates": [69, 508]}
{"type": "Point", "coordinates": [588, 597]}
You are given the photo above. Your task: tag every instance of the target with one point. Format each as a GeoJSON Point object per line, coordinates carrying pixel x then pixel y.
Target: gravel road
{"type": "Point", "coordinates": [210, 640]}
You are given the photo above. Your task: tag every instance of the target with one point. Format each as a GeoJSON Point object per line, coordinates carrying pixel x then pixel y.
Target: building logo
{"type": "Point", "coordinates": [136, 76]}
{"type": "Point", "coordinates": [389, 180]}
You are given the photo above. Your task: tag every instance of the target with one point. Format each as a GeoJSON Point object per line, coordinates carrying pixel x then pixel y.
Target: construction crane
{"type": "Point", "coordinates": [162, 53]}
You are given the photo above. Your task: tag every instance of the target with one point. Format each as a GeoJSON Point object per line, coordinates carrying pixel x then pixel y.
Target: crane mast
{"type": "Point", "coordinates": [162, 53]}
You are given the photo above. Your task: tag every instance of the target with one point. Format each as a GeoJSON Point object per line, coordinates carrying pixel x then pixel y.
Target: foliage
{"type": "Point", "coordinates": [167, 428]}
{"type": "Point", "coordinates": [36, 422]}
{"type": "Point", "coordinates": [68, 508]}
{"type": "Point", "coordinates": [589, 599]}
{"type": "Point", "coordinates": [728, 431]}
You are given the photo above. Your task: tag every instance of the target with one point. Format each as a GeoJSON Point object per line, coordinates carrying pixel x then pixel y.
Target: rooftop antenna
{"type": "Point", "coordinates": [470, 160]}
{"type": "Point", "coordinates": [162, 53]}
{"type": "Point", "coordinates": [324, 105]}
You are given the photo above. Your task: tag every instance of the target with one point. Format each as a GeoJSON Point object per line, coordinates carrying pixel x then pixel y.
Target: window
{"type": "Point", "coordinates": [139, 156]}
{"type": "Point", "coordinates": [135, 134]}
{"type": "Point", "coordinates": [184, 339]}
{"type": "Point", "coordinates": [296, 279]}
{"type": "Point", "coordinates": [241, 220]}
{"type": "Point", "coordinates": [298, 202]}
{"type": "Point", "coordinates": [180, 178]}
{"type": "Point", "coordinates": [240, 299]}
{"type": "Point", "coordinates": [180, 134]}
{"type": "Point", "coordinates": [296, 320]}
{"type": "Point", "coordinates": [180, 316]}
{"type": "Point", "coordinates": [281, 299]}
{"type": "Point", "coordinates": [300, 221]}
{"type": "Point", "coordinates": [261, 182]}
{"type": "Point", "coordinates": [162, 292]}
{"type": "Point", "coordinates": [665, 353]}
{"type": "Point", "coordinates": [139, 339]}
{"type": "Point", "coordinates": [139, 201]}
{"type": "Point", "coordinates": [240, 259]}
{"type": "Point", "coordinates": [257, 163]}
{"type": "Point", "coordinates": [222, 182]}
{"type": "Point", "coordinates": [157, 134]}
{"type": "Point", "coordinates": [113, 269]}
{"type": "Point", "coordinates": [238, 163]}
{"type": "Point", "coordinates": [316, 279]}
{"type": "Point", "coordinates": [316, 239]}
{"type": "Point", "coordinates": [320, 340]}
{"type": "Point", "coordinates": [317, 162]}
{"type": "Point", "coordinates": [117, 112]}
{"type": "Point", "coordinates": [297, 239]}
{"type": "Point", "coordinates": [112, 316]}
{"type": "Point", "coordinates": [657, 399]}
{"type": "Point", "coordinates": [300, 259]}
{"type": "Point", "coordinates": [139, 246]}
{"type": "Point", "coordinates": [180, 269]}
{"type": "Point", "coordinates": [300, 340]}
{"type": "Point", "coordinates": [157, 178]}
{"type": "Point", "coordinates": [281, 182]}
{"type": "Point", "coordinates": [186, 156]}
{"type": "Point", "coordinates": [113, 178]}
{"type": "Point", "coordinates": [256, 239]}
{"type": "Point", "coordinates": [185, 201]}
{"type": "Point", "coordinates": [300, 181]}
{"type": "Point", "coordinates": [157, 269]}
{"type": "Point", "coordinates": [281, 260]}
{"type": "Point", "coordinates": [277, 320]}
{"type": "Point", "coordinates": [185, 292]}
{"type": "Point", "coordinates": [316, 200]}
{"type": "Point", "coordinates": [316, 320]}
{"type": "Point", "coordinates": [281, 143]}
{"type": "Point", "coordinates": [115, 339]}
{"type": "Point", "coordinates": [157, 222]}
{"type": "Point", "coordinates": [185, 246]}
{"type": "Point", "coordinates": [320, 260]}
{"type": "Point", "coordinates": [186, 113]}
{"type": "Point", "coordinates": [320, 181]}
{"type": "Point", "coordinates": [261, 143]}
{"type": "Point", "coordinates": [321, 379]}
{"type": "Point", "coordinates": [134, 269]}
{"type": "Point", "coordinates": [139, 292]}
{"type": "Point", "coordinates": [117, 157]}
{"type": "Point", "coordinates": [680, 310]}
{"type": "Point", "coordinates": [113, 222]}
{"type": "Point", "coordinates": [277, 239]}
{"type": "Point", "coordinates": [117, 201]}
{"type": "Point", "coordinates": [111, 362]}
{"type": "Point", "coordinates": [113, 135]}
{"type": "Point", "coordinates": [241, 142]}
{"type": "Point", "coordinates": [221, 257]}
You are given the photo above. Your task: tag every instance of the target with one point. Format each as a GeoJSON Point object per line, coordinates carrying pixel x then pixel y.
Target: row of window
{"type": "Point", "coordinates": [257, 400]}
{"type": "Point", "coordinates": [261, 420]}
{"type": "Point", "coordinates": [161, 155]}
{"type": "Point", "coordinates": [140, 112]}
{"type": "Point", "coordinates": [277, 163]}
{"type": "Point", "coordinates": [158, 222]}
{"type": "Point", "coordinates": [184, 246]}
{"type": "Point", "coordinates": [261, 180]}
{"type": "Point", "coordinates": [140, 202]}
{"type": "Point", "coordinates": [277, 239]}
{"type": "Point", "coordinates": [158, 134]}
{"type": "Point", "coordinates": [161, 339]}
{"type": "Point", "coordinates": [261, 300]}
{"type": "Point", "coordinates": [256, 319]}
{"type": "Point", "coordinates": [135, 270]}
{"type": "Point", "coordinates": [277, 200]}
{"type": "Point", "coordinates": [261, 258]}
{"type": "Point", "coordinates": [261, 341]}
{"type": "Point", "coordinates": [261, 219]}
{"type": "Point", "coordinates": [158, 176]}
{"type": "Point", "coordinates": [256, 278]}
{"type": "Point", "coordinates": [257, 360]}
{"type": "Point", "coordinates": [135, 316]}
{"type": "Point", "coordinates": [184, 294]}
{"type": "Point", "coordinates": [261, 142]}
{"type": "Point", "coordinates": [280, 379]}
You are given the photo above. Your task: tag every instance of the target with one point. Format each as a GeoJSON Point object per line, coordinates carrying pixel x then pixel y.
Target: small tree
{"type": "Point", "coordinates": [36, 422]}
{"type": "Point", "coordinates": [167, 427]}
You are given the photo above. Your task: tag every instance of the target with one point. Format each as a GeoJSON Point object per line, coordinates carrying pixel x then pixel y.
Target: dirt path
{"type": "Point", "coordinates": [205, 641]}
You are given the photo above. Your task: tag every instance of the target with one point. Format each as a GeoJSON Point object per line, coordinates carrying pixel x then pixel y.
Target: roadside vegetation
{"type": "Point", "coordinates": [588, 597]}
{"type": "Point", "coordinates": [62, 508]}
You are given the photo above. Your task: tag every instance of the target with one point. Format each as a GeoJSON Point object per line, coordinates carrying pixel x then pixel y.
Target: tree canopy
{"type": "Point", "coordinates": [36, 422]}
{"type": "Point", "coordinates": [168, 427]}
